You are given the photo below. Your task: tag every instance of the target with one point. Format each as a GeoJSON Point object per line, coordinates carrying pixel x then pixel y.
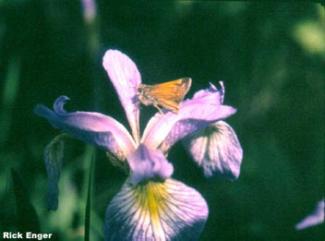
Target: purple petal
{"type": "Point", "coordinates": [53, 156]}
{"type": "Point", "coordinates": [204, 108]}
{"type": "Point", "coordinates": [166, 211]}
{"type": "Point", "coordinates": [89, 10]}
{"type": "Point", "coordinates": [216, 149]}
{"type": "Point", "coordinates": [126, 78]}
{"type": "Point", "coordinates": [314, 218]}
{"type": "Point", "coordinates": [91, 127]}
{"type": "Point", "coordinates": [148, 164]}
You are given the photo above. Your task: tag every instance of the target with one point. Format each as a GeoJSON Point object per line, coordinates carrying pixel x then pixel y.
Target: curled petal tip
{"type": "Point", "coordinates": [91, 127]}
{"type": "Point", "coordinates": [59, 103]}
{"type": "Point", "coordinates": [222, 91]}
{"type": "Point", "coordinates": [212, 86]}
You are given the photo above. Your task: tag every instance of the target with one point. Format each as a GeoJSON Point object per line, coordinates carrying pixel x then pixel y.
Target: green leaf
{"type": "Point", "coordinates": [89, 199]}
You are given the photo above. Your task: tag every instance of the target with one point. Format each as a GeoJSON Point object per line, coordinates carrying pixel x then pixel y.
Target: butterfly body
{"type": "Point", "coordinates": [167, 95]}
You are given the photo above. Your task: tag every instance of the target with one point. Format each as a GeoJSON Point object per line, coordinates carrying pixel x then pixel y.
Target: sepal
{"type": "Point", "coordinates": [53, 157]}
{"type": "Point", "coordinates": [156, 211]}
{"type": "Point", "coordinates": [217, 150]}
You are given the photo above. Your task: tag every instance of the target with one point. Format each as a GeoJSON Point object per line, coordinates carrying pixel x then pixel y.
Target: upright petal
{"type": "Point", "coordinates": [91, 127]}
{"type": "Point", "coordinates": [216, 149]}
{"type": "Point", "coordinates": [148, 164]}
{"type": "Point", "coordinates": [204, 108]}
{"type": "Point", "coordinates": [126, 78]}
{"type": "Point", "coordinates": [156, 211]}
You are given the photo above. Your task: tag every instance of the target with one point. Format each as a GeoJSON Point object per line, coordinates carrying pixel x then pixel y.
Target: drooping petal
{"type": "Point", "coordinates": [53, 157]}
{"type": "Point", "coordinates": [91, 127]}
{"type": "Point", "coordinates": [126, 78]}
{"type": "Point", "coordinates": [216, 149]}
{"type": "Point", "coordinates": [314, 218]}
{"type": "Point", "coordinates": [204, 108]}
{"type": "Point", "coordinates": [148, 164]}
{"type": "Point", "coordinates": [156, 211]}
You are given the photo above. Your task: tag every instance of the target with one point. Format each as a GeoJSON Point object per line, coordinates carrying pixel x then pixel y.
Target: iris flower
{"type": "Point", "coordinates": [151, 205]}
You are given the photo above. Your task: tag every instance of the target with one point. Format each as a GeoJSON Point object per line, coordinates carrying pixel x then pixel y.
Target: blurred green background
{"type": "Point", "coordinates": [270, 56]}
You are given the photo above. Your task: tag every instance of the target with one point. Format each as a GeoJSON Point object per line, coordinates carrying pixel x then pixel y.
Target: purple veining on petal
{"type": "Point", "coordinates": [216, 149]}
{"type": "Point", "coordinates": [126, 78]}
{"type": "Point", "coordinates": [152, 211]}
{"type": "Point", "coordinates": [205, 107]}
{"type": "Point", "coordinates": [148, 164]}
{"type": "Point", "coordinates": [91, 127]}
{"type": "Point", "coordinates": [180, 130]}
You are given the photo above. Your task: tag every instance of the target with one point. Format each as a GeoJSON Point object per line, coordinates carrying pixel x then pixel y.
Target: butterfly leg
{"type": "Point", "coordinates": [155, 104]}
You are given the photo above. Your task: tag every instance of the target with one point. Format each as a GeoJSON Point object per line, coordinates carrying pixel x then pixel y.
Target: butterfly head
{"type": "Point", "coordinates": [144, 96]}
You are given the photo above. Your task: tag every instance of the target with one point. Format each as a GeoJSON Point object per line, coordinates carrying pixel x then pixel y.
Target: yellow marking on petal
{"type": "Point", "coordinates": [152, 197]}
{"type": "Point", "coordinates": [155, 211]}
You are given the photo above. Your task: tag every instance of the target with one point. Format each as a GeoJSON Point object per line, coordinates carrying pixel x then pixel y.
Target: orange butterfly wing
{"type": "Point", "coordinates": [172, 90]}
{"type": "Point", "coordinates": [170, 94]}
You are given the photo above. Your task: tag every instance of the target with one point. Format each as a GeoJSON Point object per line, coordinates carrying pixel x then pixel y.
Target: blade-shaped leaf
{"type": "Point", "coordinates": [89, 198]}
